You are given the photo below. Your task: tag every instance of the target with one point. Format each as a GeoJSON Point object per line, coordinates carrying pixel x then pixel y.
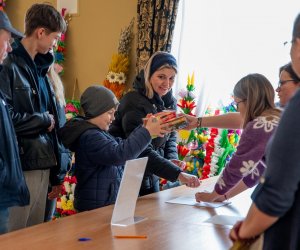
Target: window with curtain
{"type": "Point", "coordinates": [222, 41]}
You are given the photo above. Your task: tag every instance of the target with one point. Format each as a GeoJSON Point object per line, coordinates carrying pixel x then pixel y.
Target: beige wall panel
{"type": "Point", "coordinates": [92, 38]}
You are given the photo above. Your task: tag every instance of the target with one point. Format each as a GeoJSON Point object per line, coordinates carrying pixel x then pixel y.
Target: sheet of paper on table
{"type": "Point", "coordinates": [190, 200]}
{"type": "Point", "coordinates": [224, 220]}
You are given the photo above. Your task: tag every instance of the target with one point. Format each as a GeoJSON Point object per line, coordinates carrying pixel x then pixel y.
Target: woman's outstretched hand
{"type": "Point", "coordinates": [192, 122]}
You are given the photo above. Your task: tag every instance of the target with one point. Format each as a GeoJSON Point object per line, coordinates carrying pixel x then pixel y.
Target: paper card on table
{"type": "Point", "coordinates": [124, 209]}
{"type": "Point", "coordinates": [224, 220]}
{"type": "Point", "coordinates": [190, 200]}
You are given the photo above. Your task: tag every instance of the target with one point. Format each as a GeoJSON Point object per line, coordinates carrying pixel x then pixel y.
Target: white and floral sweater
{"type": "Point", "coordinates": [247, 163]}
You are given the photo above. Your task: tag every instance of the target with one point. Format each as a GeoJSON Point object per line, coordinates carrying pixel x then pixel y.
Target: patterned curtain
{"type": "Point", "coordinates": [156, 22]}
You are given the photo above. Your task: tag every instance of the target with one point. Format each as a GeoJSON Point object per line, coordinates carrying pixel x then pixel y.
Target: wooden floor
{"type": "Point", "coordinates": [169, 226]}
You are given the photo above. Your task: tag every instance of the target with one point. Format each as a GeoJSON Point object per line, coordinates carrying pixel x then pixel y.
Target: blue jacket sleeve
{"type": "Point", "coordinates": [157, 164]}
{"type": "Point", "coordinates": [102, 148]}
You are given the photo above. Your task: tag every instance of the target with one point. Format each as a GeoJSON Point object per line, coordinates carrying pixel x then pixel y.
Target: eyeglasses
{"type": "Point", "coordinates": [288, 45]}
{"type": "Point", "coordinates": [235, 105]}
{"type": "Point", "coordinates": [280, 83]}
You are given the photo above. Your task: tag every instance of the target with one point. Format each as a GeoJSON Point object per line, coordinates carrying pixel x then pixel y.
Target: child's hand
{"type": "Point", "coordinates": [146, 119]}
{"type": "Point", "coordinates": [155, 127]}
{"type": "Point", "coordinates": [189, 180]}
{"type": "Point", "coordinates": [204, 196]}
{"type": "Point", "coordinates": [179, 163]}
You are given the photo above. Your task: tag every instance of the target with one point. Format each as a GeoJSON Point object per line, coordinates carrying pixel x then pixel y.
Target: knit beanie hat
{"type": "Point", "coordinates": [97, 100]}
{"type": "Point", "coordinates": [161, 59]}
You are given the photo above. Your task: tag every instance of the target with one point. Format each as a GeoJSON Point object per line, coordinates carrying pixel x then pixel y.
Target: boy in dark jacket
{"type": "Point", "coordinates": [13, 189]}
{"type": "Point", "coordinates": [100, 157]}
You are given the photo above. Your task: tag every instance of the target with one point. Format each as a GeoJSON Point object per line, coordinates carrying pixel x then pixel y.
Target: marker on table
{"type": "Point", "coordinates": [130, 236]}
{"type": "Point", "coordinates": [84, 239]}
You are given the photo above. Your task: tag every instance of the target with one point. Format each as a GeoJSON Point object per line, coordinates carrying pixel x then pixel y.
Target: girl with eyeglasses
{"type": "Point", "coordinates": [254, 97]}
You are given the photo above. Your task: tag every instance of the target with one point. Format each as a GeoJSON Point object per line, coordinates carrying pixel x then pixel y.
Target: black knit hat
{"type": "Point", "coordinates": [160, 60]}
{"type": "Point", "coordinates": [97, 100]}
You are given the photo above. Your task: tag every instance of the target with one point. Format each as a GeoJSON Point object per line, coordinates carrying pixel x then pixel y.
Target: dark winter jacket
{"type": "Point", "coordinates": [99, 161]}
{"type": "Point", "coordinates": [29, 96]}
{"type": "Point", "coordinates": [133, 107]}
{"type": "Point", "coordinates": [278, 194]}
{"type": "Point", "coordinates": [13, 189]}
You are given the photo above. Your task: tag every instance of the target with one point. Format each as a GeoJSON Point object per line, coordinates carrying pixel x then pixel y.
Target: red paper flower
{"type": "Point", "coordinates": [186, 106]}
{"type": "Point", "coordinates": [182, 151]}
{"type": "Point", "coordinates": [163, 181]}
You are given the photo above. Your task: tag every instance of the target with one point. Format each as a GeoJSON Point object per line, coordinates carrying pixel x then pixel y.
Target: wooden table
{"type": "Point", "coordinates": [169, 226]}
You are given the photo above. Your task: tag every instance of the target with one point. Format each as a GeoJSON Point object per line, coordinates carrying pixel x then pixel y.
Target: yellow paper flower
{"type": "Point", "coordinates": [64, 204]}
{"type": "Point", "coordinates": [232, 139]}
{"type": "Point", "coordinates": [184, 134]}
{"type": "Point", "coordinates": [119, 63]}
{"type": "Point", "coordinates": [119, 66]}
{"type": "Point", "coordinates": [70, 205]}
{"type": "Point", "coordinates": [193, 79]}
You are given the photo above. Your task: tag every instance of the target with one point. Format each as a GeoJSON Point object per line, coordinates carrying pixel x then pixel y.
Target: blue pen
{"type": "Point", "coordinates": [84, 239]}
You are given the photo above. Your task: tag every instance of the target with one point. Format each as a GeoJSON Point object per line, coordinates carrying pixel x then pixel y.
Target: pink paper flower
{"type": "Point", "coordinates": [70, 108]}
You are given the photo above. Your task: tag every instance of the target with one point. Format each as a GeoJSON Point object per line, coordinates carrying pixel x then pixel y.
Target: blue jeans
{"type": "Point", "coordinates": [50, 207]}
{"type": "Point", "coordinates": [3, 219]}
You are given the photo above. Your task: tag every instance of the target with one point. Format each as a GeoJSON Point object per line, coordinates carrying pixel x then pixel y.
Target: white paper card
{"type": "Point", "coordinates": [224, 220]}
{"type": "Point", "coordinates": [190, 200]}
{"type": "Point", "coordinates": [70, 5]}
{"type": "Point", "coordinates": [123, 213]}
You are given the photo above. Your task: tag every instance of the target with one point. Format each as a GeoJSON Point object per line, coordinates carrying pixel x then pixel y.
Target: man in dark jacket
{"type": "Point", "coordinates": [33, 110]}
{"type": "Point", "coordinates": [13, 189]}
